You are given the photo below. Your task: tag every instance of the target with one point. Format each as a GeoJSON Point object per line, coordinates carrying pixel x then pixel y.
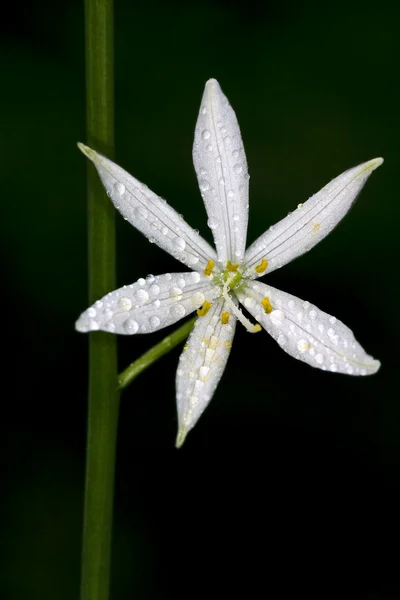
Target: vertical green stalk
{"type": "Point", "coordinates": [103, 396]}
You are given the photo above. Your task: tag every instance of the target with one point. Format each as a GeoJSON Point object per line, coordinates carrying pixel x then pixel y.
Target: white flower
{"type": "Point", "coordinates": [222, 279]}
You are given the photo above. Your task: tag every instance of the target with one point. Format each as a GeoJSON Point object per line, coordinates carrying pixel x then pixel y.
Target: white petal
{"type": "Point", "coordinates": [151, 214]}
{"type": "Point", "coordinates": [149, 304]}
{"type": "Point", "coordinates": [221, 169]}
{"type": "Point", "coordinates": [307, 333]}
{"type": "Point", "coordinates": [310, 222]}
{"type": "Point", "coordinates": [201, 365]}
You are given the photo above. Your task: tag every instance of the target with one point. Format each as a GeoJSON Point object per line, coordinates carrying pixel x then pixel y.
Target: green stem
{"type": "Point", "coordinates": [148, 358]}
{"type": "Point", "coordinates": [103, 397]}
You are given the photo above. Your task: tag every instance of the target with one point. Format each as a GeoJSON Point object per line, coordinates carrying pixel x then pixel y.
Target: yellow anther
{"type": "Point", "coordinates": [225, 318]}
{"type": "Point", "coordinates": [257, 328]}
{"type": "Point", "coordinates": [262, 266]}
{"type": "Point", "coordinates": [316, 227]}
{"type": "Point", "coordinates": [205, 308]}
{"type": "Point", "coordinates": [209, 268]}
{"type": "Point", "coordinates": [267, 305]}
{"type": "Point", "coordinates": [230, 267]}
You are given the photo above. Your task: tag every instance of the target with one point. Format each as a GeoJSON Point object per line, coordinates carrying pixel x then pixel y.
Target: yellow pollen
{"type": "Point", "coordinates": [262, 266]}
{"type": "Point", "coordinates": [228, 344]}
{"type": "Point", "coordinates": [316, 227]}
{"type": "Point", "coordinates": [201, 312]}
{"type": "Point", "coordinates": [225, 318]}
{"type": "Point", "coordinates": [257, 328]}
{"type": "Point", "coordinates": [267, 305]}
{"type": "Point", "coordinates": [209, 268]}
{"type": "Point", "coordinates": [230, 267]}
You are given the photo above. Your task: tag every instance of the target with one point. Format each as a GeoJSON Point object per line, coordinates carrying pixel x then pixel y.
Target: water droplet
{"type": "Point", "coordinates": [223, 130]}
{"type": "Point", "coordinates": [157, 303]}
{"type": "Point", "coordinates": [175, 293]}
{"type": "Point", "coordinates": [203, 171]}
{"type": "Point", "coordinates": [130, 326]}
{"type": "Point", "coordinates": [203, 110]}
{"type": "Point", "coordinates": [177, 310]}
{"type": "Point", "coordinates": [155, 321]}
{"type": "Point", "coordinates": [291, 304]}
{"type": "Point", "coordinates": [227, 140]}
{"type": "Point", "coordinates": [300, 206]}
{"type": "Point", "coordinates": [312, 314]}
{"type": "Point", "coordinates": [192, 259]}
{"type": "Point", "coordinates": [197, 299]}
{"type": "Point", "coordinates": [141, 212]}
{"type": "Point", "coordinates": [204, 185]}
{"type": "Point", "coordinates": [237, 168]}
{"type": "Point", "coordinates": [236, 218]}
{"type": "Point", "coordinates": [302, 346]}
{"type": "Point", "coordinates": [277, 317]}
{"type": "Point", "coordinates": [235, 154]}
{"type": "Point", "coordinates": [91, 312]}
{"type": "Point", "coordinates": [332, 320]}
{"type": "Point", "coordinates": [209, 147]}
{"type": "Point", "coordinates": [141, 282]}
{"type": "Point", "coordinates": [119, 188]}
{"type": "Point", "coordinates": [168, 276]}
{"type": "Point", "coordinates": [230, 194]}
{"type": "Point", "coordinates": [179, 244]}
{"type": "Point", "coordinates": [154, 290]}
{"type": "Point", "coordinates": [142, 296]}
{"type": "Point", "coordinates": [333, 368]}
{"type": "Point", "coordinates": [125, 303]}
{"type": "Point", "coordinates": [221, 181]}
{"type": "Point", "coordinates": [319, 358]}
{"type": "Point", "coordinates": [331, 332]}
{"type": "Point", "coordinates": [306, 305]}
{"type": "Point", "coordinates": [164, 230]}
{"type": "Point", "coordinates": [213, 223]}
{"type": "Point", "coordinates": [206, 134]}
{"type": "Point", "coordinates": [196, 277]}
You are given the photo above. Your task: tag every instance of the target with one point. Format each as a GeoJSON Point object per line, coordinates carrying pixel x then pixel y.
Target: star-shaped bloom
{"type": "Point", "coordinates": [220, 279]}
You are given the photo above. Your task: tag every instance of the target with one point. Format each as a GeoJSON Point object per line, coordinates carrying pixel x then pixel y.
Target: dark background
{"type": "Point", "coordinates": [289, 484]}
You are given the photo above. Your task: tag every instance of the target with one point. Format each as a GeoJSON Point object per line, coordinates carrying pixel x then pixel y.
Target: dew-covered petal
{"type": "Point", "coordinates": [307, 333]}
{"type": "Point", "coordinates": [151, 214]}
{"type": "Point", "coordinates": [309, 223]}
{"type": "Point", "coordinates": [149, 304]}
{"type": "Point", "coordinates": [221, 169]}
{"type": "Point", "coordinates": [201, 365]}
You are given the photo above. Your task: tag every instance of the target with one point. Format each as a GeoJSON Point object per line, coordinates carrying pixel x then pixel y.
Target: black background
{"type": "Point", "coordinates": [289, 484]}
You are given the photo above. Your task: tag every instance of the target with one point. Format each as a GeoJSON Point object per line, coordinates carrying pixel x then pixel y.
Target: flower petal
{"type": "Point", "coordinates": [221, 169]}
{"type": "Point", "coordinates": [149, 304]}
{"type": "Point", "coordinates": [309, 223]}
{"type": "Point", "coordinates": [201, 365]}
{"type": "Point", "coordinates": [151, 214]}
{"type": "Point", "coordinates": [307, 333]}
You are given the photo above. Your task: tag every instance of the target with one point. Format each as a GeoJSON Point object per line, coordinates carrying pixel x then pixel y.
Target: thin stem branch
{"type": "Point", "coordinates": [103, 397]}
{"type": "Point", "coordinates": [149, 357]}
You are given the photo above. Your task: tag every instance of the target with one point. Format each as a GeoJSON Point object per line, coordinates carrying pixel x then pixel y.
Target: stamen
{"type": "Point", "coordinates": [267, 305]}
{"type": "Point", "coordinates": [201, 312]}
{"type": "Point", "coordinates": [236, 311]}
{"type": "Point", "coordinates": [225, 318]}
{"type": "Point", "coordinates": [209, 268]}
{"type": "Point", "coordinates": [230, 267]}
{"type": "Point", "coordinates": [262, 266]}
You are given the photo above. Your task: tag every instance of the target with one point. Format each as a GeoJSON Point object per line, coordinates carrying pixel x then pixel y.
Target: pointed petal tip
{"type": "Point", "coordinates": [82, 324]}
{"type": "Point", "coordinates": [180, 438]}
{"type": "Point", "coordinates": [373, 164]}
{"type": "Point", "coordinates": [212, 83]}
{"type": "Point", "coordinates": [91, 154]}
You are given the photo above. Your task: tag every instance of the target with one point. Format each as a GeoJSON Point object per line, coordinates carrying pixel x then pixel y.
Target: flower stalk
{"type": "Point", "coordinates": [103, 397]}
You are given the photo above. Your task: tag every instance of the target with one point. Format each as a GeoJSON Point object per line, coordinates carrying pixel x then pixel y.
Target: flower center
{"type": "Point", "coordinates": [232, 282]}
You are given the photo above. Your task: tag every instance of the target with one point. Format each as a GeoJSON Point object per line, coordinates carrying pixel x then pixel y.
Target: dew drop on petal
{"type": "Point", "coordinates": [204, 185]}
{"type": "Point", "coordinates": [155, 321]}
{"type": "Point", "coordinates": [179, 244]}
{"type": "Point", "coordinates": [125, 304]}
{"type": "Point", "coordinates": [196, 277]}
{"type": "Point", "coordinates": [164, 230]}
{"type": "Point", "coordinates": [142, 296]}
{"type": "Point", "coordinates": [119, 188]}
{"type": "Point", "coordinates": [130, 326]}
{"type": "Point", "coordinates": [154, 290]}
{"type": "Point", "coordinates": [91, 312]}
{"type": "Point", "coordinates": [213, 223]}
{"type": "Point", "coordinates": [237, 168]}
{"type": "Point", "coordinates": [319, 358]}
{"type": "Point", "coordinates": [177, 310]}
{"type": "Point", "coordinates": [277, 317]}
{"type": "Point", "coordinates": [206, 134]}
